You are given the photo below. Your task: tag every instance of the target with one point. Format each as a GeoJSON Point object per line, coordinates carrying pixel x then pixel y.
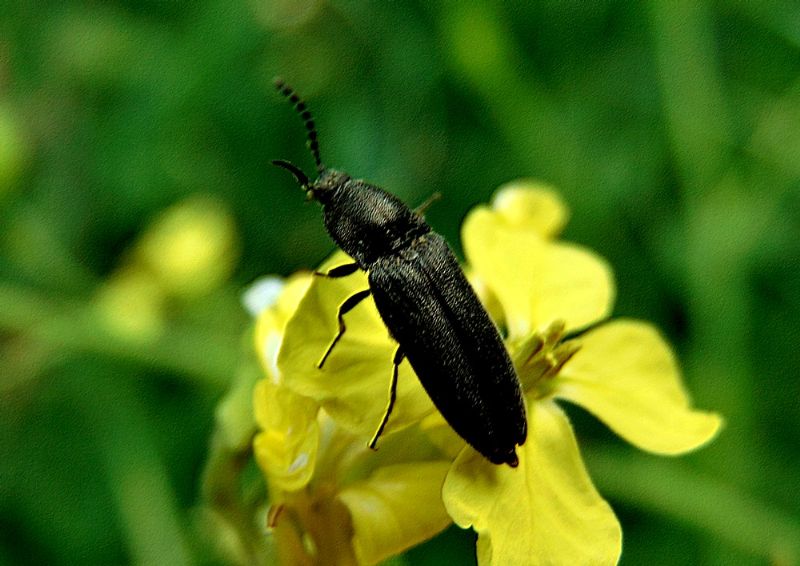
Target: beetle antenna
{"type": "Point", "coordinates": [301, 108]}
{"type": "Point", "coordinates": [301, 177]}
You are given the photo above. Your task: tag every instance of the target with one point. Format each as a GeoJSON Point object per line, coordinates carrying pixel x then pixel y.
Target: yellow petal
{"type": "Point", "coordinates": [627, 376]}
{"type": "Point", "coordinates": [528, 204]}
{"type": "Point", "coordinates": [272, 321]}
{"type": "Point", "coordinates": [546, 511]}
{"type": "Point", "coordinates": [486, 296]}
{"type": "Point", "coordinates": [286, 447]}
{"type": "Point", "coordinates": [535, 280]}
{"type": "Point", "coordinates": [294, 289]}
{"type": "Point", "coordinates": [441, 435]}
{"type": "Point", "coordinates": [353, 385]}
{"type": "Point", "coordinates": [396, 508]}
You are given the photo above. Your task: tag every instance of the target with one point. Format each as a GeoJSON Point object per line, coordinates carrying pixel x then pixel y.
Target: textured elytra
{"type": "Point", "coordinates": [453, 346]}
{"type": "Point", "coordinates": [432, 311]}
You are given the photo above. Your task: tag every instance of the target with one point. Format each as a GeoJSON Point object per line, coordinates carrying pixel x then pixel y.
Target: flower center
{"type": "Point", "coordinates": [540, 357]}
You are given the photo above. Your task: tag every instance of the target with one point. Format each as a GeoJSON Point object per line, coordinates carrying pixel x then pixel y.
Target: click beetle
{"type": "Point", "coordinates": [425, 301]}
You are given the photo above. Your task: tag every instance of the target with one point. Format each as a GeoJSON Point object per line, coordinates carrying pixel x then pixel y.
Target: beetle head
{"type": "Point", "coordinates": [329, 180]}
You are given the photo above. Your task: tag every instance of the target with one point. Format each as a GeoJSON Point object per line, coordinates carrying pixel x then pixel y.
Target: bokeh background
{"type": "Point", "coordinates": [137, 202]}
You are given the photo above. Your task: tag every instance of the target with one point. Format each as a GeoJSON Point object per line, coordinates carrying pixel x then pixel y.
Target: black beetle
{"type": "Point", "coordinates": [426, 303]}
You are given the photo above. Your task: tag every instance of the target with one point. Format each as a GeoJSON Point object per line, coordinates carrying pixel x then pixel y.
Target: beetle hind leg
{"type": "Point", "coordinates": [346, 307]}
{"type": "Point", "coordinates": [398, 358]}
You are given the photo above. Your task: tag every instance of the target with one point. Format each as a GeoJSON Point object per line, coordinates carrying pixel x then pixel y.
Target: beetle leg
{"type": "Point", "coordinates": [346, 307]}
{"type": "Point", "coordinates": [339, 271]}
{"type": "Point", "coordinates": [398, 357]}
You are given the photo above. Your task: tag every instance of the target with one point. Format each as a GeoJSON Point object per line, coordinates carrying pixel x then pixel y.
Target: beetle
{"type": "Point", "coordinates": [424, 300]}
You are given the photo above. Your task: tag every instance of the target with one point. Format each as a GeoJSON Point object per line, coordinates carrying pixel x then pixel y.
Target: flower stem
{"type": "Point", "coordinates": [673, 489]}
{"type": "Point", "coordinates": [73, 326]}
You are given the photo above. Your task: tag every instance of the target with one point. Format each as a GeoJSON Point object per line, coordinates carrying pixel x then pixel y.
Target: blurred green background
{"type": "Point", "coordinates": [137, 202]}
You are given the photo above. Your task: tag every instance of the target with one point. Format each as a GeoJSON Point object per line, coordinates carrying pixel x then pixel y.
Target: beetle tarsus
{"type": "Point", "coordinates": [398, 358]}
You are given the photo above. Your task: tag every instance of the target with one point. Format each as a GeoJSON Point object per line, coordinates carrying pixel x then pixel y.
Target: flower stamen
{"type": "Point", "coordinates": [541, 356]}
{"type": "Point", "coordinates": [273, 514]}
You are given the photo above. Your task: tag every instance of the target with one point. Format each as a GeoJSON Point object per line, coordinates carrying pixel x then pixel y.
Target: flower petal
{"type": "Point", "coordinates": [262, 294]}
{"type": "Point", "coordinates": [271, 322]}
{"type": "Point", "coordinates": [537, 281]}
{"type": "Point", "coordinates": [286, 447]}
{"type": "Point", "coordinates": [353, 385]}
{"type": "Point", "coordinates": [546, 511]}
{"type": "Point", "coordinates": [528, 204]}
{"type": "Point", "coordinates": [627, 376]}
{"type": "Point", "coordinates": [441, 435]}
{"type": "Point", "coordinates": [395, 508]}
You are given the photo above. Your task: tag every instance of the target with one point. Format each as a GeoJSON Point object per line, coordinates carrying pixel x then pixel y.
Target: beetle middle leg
{"type": "Point", "coordinates": [346, 307]}
{"type": "Point", "coordinates": [398, 358]}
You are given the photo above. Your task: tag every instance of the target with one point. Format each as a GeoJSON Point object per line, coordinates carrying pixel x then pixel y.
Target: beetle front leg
{"type": "Point", "coordinates": [346, 307]}
{"type": "Point", "coordinates": [398, 358]}
{"type": "Point", "coordinates": [339, 271]}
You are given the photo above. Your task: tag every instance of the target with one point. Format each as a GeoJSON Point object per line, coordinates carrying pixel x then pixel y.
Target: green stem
{"type": "Point", "coordinates": [673, 489]}
{"type": "Point", "coordinates": [222, 494]}
{"type": "Point", "coordinates": [74, 326]}
{"type": "Point", "coordinates": [149, 513]}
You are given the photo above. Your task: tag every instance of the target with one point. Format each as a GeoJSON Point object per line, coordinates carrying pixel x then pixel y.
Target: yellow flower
{"type": "Point", "coordinates": [186, 252]}
{"type": "Point", "coordinates": [621, 371]}
{"type": "Point", "coordinates": [545, 293]}
{"type": "Point", "coordinates": [332, 500]}
{"type": "Point", "coordinates": [190, 249]}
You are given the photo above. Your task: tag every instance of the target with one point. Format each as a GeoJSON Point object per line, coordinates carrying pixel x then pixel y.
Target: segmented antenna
{"type": "Point", "coordinates": [305, 114]}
